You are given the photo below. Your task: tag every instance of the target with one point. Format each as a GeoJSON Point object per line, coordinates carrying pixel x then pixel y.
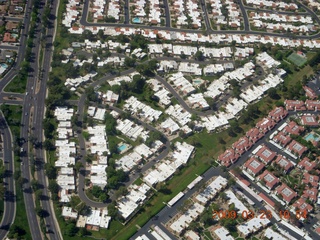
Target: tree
{"type": "Point", "coordinates": [91, 94]}
{"type": "Point", "coordinates": [82, 232]}
{"type": "Point", "coordinates": [199, 56]}
{"type": "Point", "coordinates": [41, 212]}
{"type": "Point", "coordinates": [272, 92]}
{"type": "Point", "coordinates": [78, 166]}
{"type": "Point", "coordinates": [51, 171]}
{"type": "Point", "coordinates": [35, 185]}
{"type": "Point", "coordinates": [96, 191]}
{"type": "Point", "coordinates": [112, 210]}
{"type": "Point", "coordinates": [129, 62]}
{"type": "Point", "coordinates": [71, 230]}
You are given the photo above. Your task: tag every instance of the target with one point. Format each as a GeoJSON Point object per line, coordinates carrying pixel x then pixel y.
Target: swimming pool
{"type": "Point", "coordinates": [4, 65]}
{"type": "Point", "coordinates": [122, 147]}
{"type": "Point", "coordinates": [312, 137]}
{"type": "Point", "coordinates": [136, 20]}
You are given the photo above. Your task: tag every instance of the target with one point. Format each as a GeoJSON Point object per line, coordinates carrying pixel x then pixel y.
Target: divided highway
{"type": "Point", "coordinates": [9, 196]}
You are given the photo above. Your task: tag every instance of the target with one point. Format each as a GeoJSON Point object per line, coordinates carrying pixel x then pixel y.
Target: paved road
{"type": "Point", "coordinates": [82, 151]}
{"type": "Point", "coordinates": [244, 15]}
{"type": "Point", "coordinates": [37, 89]}
{"type": "Point", "coordinates": [10, 193]}
{"type": "Point", "coordinates": [83, 21]}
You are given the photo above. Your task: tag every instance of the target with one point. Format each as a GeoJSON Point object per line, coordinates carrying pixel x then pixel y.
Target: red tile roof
{"type": "Point", "coordinates": [266, 124]}
{"type": "Point", "coordinates": [287, 193]}
{"type": "Point", "coordinates": [297, 148]}
{"type": "Point", "coordinates": [293, 128]}
{"type": "Point", "coordinates": [310, 93]}
{"type": "Point", "coordinates": [294, 105]}
{"type": "Point", "coordinates": [265, 154]}
{"type": "Point", "coordinates": [269, 179]}
{"type": "Point", "coordinates": [312, 179]}
{"type": "Point", "coordinates": [311, 194]}
{"type": "Point", "coordinates": [228, 157]}
{"type": "Point", "coordinates": [254, 134]}
{"type": "Point", "coordinates": [313, 105]}
{"type": "Point", "coordinates": [284, 163]}
{"type": "Point", "coordinates": [278, 114]}
{"type": "Point", "coordinates": [8, 38]}
{"type": "Point", "coordinates": [309, 120]}
{"type": "Point", "coordinates": [282, 139]}
{"type": "Point", "coordinates": [242, 145]}
{"type": "Point", "coordinates": [254, 166]}
{"type": "Point", "coordinates": [307, 164]}
{"type": "Point", "coordinates": [302, 205]}
{"type": "Point", "coordinates": [267, 200]}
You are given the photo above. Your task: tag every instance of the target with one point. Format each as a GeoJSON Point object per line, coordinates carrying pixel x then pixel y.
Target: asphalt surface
{"type": "Point", "coordinates": [10, 192]}
{"type": "Point", "coordinates": [83, 21]}
{"type": "Point", "coordinates": [32, 116]}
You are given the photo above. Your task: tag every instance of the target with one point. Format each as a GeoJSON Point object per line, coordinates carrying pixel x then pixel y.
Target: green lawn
{"type": "Point", "coordinates": [13, 116]}
{"type": "Point", "coordinates": [17, 85]}
{"type": "Point", "coordinates": [297, 59]}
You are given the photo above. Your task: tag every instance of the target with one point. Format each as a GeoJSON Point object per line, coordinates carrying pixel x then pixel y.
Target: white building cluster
{"type": "Point", "coordinates": [98, 146]}
{"type": "Point", "coordinates": [197, 101]}
{"type": "Point", "coordinates": [115, 61]}
{"type": "Point", "coordinates": [273, 4]}
{"type": "Point", "coordinates": [184, 9]}
{"type": "Point", "coordinates": [98, 9]}
{"type": "Point", "coordinates": [65, 151]}
{"type": "Point", "coordinates": [96, 219]}
{"type": "Point", "coordinates": [253, 225]}
{"type": "Point", "coordinates": [198, 37]}
{"type": "Point", "coordinates": [166, 168]}
{"type": "Point", "coordinates": [143, 111]}
{"type": "Point", "coordinates": [135, 198]}
{"type": "Point", "coordinates": [160, 92]}
{"type": "Point", "coordinates": [282, 18]}
{"type": "Point", "coordinates": [181, 84]}
{"type": "Point", "coordinates": [114, 9]}
{"type": "Point", "coordinates": [186, 218]}
{"type": "Point", "coordinates": [74, 83]}
{"type": "Point", "coordinates": [131, 130]}
{"type": "Point", "coordinates": [254, 93]}
{"type": "Point", "coordinates": [179, 114]}
{"type": "Point", "coordinates": [190, 68]}
{"type": "Point", "coordinates": [234, 13]}
{"type": "Point", "coordinates": [96, 113]}
{"type": "Point", "coordinates": [216, 6]}
{"type": "Point", "coordinates": [140, 152]}
{"type": "Point", "coordinates": [118, 80]}
{"type": "Point", "coordinates": [108, 97]}
{"type": "Point", "coordinates": [197, 208]}
{"type": "Point", "coordinates": [72, 12]}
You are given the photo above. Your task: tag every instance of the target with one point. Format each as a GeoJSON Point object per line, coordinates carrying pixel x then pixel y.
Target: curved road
{"type": "Point", "coordinates": [81, 105]}
{"type": "Point", "coordinates": [10, 193]}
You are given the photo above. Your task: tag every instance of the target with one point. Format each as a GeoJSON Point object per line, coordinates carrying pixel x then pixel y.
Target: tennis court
{"type": "Point", "coordinates": [297, 59]}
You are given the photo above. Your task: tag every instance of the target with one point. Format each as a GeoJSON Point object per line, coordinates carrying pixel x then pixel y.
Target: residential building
{"type": "Point", "coordinates": [269, 179]}
{"type": "Point", "coordinates": [286, 193]}
{"type": "Point", "coordinates": [307, 164]}
{"type": "Point", "coordinates": [254, 166]}
{"type": "Point", "coordinates": [297, 148]}
{"type": "Point", "coordinates": [265, 154]}
{"type": "Point", "coordinates": [284, 163]}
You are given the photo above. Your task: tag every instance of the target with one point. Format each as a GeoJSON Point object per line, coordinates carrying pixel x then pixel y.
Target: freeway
{"type": "Point", "coordinates": [10, 193]}
{"type": "Point", "coordinates": [83, 21]}
{"type": "Point", "coordinates": [35, 105]}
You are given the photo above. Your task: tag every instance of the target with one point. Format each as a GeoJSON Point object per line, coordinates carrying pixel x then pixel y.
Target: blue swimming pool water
{"type": "Point", "coordinates": [312, 136]}
{"type": "Point", "coordinates": [4, 65]}
{"type": "Point", "coordinates": [136, 20]}
{"type": "Point", "coordinates": [122, 148]}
